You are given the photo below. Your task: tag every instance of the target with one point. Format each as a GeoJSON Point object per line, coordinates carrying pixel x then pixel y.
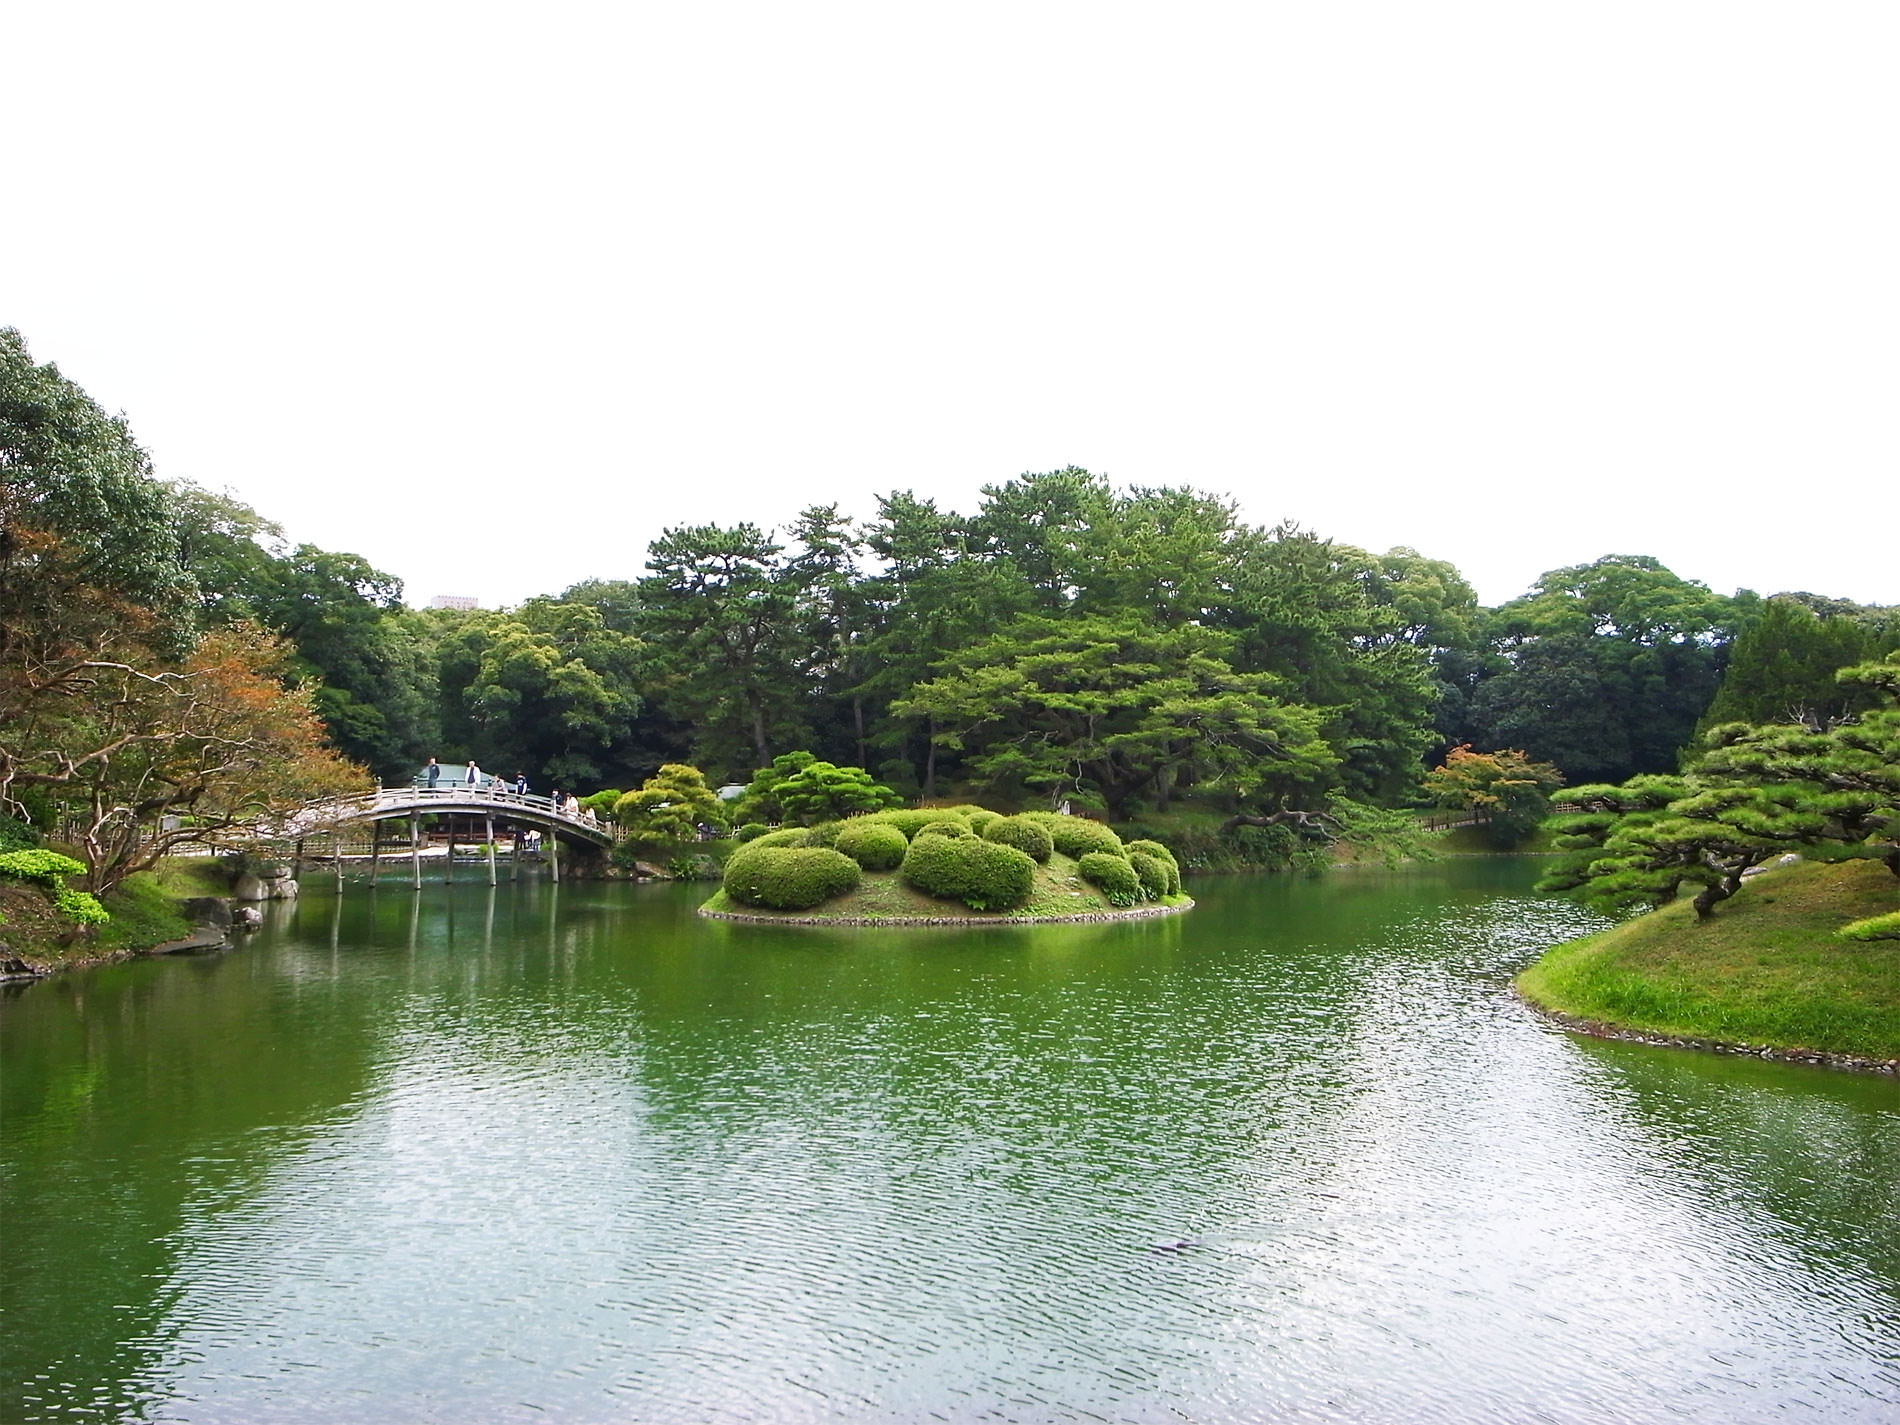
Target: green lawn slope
{"type": "Point", "coordinates": [1765, 972]}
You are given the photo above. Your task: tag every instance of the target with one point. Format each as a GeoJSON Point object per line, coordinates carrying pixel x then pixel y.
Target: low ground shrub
{"type": "Point", "coordinates": [16, 835]}
{"type": "Point", "coordinates": [1030, 837]}
{"type": "Point", "coordinates": [750, 831]}
{"type": "Point", "coordinates": [823, 834]}
{"type": "Point", "coordinates": [953, 829]}
{"type": "Point", "coordinates": [80, 907]}
{"type": "Point", "coordinates": [874, 845]}
{"type": "Point", "coordinates": [1112, 875]}
{"type": "Point", "coordinates": [39, 864]}
{"type": "Point", "coordinates": [1874, 927]}
{"type": "Point", "coordinates": [984, 875]}
{"type": "Point", "coordinates": [981, 818]}
{"type": "Point", "coordinates": [789, 877]}
{"type": "Point", "coordinates": [1152, 872]}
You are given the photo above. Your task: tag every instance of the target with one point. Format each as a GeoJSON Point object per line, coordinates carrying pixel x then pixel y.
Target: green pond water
{"type": "Point", "coordinates": [571, 1154]}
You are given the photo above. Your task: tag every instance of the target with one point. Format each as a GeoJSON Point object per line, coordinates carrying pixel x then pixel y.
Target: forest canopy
{"type": "Point", "coordinates": [1067, 641]}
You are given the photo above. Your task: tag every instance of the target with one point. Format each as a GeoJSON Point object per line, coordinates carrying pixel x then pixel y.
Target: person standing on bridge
{"type": "Point", "coordinates": [474, 777]}
{"type": "Point", "coordinates": [521, 784]}
{"type": "Point", "coordinates": [434, 773]}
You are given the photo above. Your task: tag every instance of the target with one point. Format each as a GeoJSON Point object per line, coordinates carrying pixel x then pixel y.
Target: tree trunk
{"type": "Point", "coordinates": [857, 717]}
{"type": "Point", "coordinates": [930, 762]}
{"type": "Point", "coordinates": [759, 744]}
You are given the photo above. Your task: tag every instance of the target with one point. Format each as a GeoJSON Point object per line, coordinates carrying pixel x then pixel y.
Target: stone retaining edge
{"type": "Point", "coordinates": [1098, 917]}
{"type": "Point", "coordinates": [1597, 1029]}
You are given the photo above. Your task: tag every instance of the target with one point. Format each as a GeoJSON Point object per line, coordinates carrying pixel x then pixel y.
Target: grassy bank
{"type": "Point", "coordinates": [144, 910]}
{"type": "Point", "coordinates": [1765, 971]}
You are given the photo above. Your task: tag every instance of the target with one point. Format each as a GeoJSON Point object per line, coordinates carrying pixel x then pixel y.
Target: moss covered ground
{"type": "Point", "coordinates": [1765, 971]}
{"type": "Point", "coordinates": [1059, 893]}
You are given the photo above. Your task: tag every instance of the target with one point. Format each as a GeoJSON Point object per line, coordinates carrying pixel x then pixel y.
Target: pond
{"type": "Point", "coordinates": [571, 1154]}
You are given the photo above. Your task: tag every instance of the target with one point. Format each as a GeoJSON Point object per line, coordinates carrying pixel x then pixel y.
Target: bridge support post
{"type": "Point", "coordinates": [375, 850]}
{"type": "Point", "coordinates": [415, 850]}
{"type": "Point", "coordinates": [448, 864]}
{"type": "Point", "coordinates": [554, 857]}
{"type": "Point", "coordinates": [490, 823]}
{"type": "Point", "coordinates": [296, 860]}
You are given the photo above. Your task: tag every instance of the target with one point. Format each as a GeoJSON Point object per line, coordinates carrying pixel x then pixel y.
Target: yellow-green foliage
{"type": "Point", "coordinates": [1874, 927]}
{"type": "Point", "coordinates": [876, 846]}
{"type": "Point", "coordinates": [1024, 833]}
{"type": "Point", "coordinates": [39, 864]}
{"type": "Point", "coordinates": [788, 877]}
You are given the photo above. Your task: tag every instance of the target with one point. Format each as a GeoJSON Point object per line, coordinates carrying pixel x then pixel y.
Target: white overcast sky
{"type": "Point", "coordinates": [492, 294]}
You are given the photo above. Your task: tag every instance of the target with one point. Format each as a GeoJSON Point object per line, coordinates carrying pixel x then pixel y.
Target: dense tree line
{"type": "Point", "coordinates": [1118, 649]}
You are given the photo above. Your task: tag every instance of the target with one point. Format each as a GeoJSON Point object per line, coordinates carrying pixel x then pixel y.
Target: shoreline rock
{"type": "Point", "coordinates": [866, 922]}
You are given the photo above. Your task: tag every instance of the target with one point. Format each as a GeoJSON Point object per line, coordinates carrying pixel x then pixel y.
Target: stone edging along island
{"type": "Point", "coordinates": [1596, 1029]}
{"type": "Point", "coordinates": [1097, 917]}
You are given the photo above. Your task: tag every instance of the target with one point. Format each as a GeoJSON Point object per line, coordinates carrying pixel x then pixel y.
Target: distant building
{"type": "Point", "coordinates": [454, 601]}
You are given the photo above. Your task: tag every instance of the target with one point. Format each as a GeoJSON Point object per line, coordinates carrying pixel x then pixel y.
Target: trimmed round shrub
{"type": "Point", "coordinates": [874, 845]}
{"type": "Point", "coordinates": [981, 818]}
{"type": "Point", "coordinates": [1111, 875]}
{"type": "Point", "coordinates": [1164, 856]}
{"type": "Point", "coordinates": [1077, 836]}
{"type": "Point", "coordinates": [915, 819]}
{"type": "Point", "coordinates": [823, 834]}
{"type": "Point", "coordinates": [784, 836]}
{"type": "Point", "coordinates": [1030, 837]}
{"type": "Point", "coordinates": [750, 831]}
{"type": "Point", "coordinates": [953, 829]}
{"type": "Point", "coordinates": [789, 877]}
{"type": "Point", "coordinates": [984, 875]}
{"type": "Point", "coordinates": [1152, 872]}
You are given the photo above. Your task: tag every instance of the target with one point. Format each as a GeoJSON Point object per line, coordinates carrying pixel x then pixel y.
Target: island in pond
{"type": "Point", "coordinates": [947, 866]}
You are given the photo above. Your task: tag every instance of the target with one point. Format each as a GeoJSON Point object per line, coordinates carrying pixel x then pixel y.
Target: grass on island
{"type": "Point", "coordinates": [1059, 891]}
{"type": "Point", "coordinates": [1765, 971]}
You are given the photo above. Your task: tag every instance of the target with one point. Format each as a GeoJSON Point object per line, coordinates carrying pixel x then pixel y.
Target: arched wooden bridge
{"type": "Point", "coordinates": [489, 801]}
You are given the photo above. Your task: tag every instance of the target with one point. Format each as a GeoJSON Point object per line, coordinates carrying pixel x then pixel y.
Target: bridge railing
{"type": "Point", "coordinates": [321, 814]}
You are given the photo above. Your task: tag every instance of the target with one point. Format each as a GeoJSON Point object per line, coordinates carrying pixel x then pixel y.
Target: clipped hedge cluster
{"type": "Point", "coordinates": [788, 877]}
{"type": "Point", "coordinates": [1164, 856]}
{"type": "Point", "coordinates": [1077, 836]}
{"type": "Point", "coordinates": [751, 831]}
{"type": "Point", "coordinates": [984, 875]}
{"type": "Point", "coordinates": [874, 845]}
{"type": "Point", "coordinates": [914, 821]}
{"type": "Point", "coordinates": [1112, 875]}
{"type": "Point", "coordinates": [1032, 838]}
{"type": "Point", "coordinates": [1144, 870]}
{"type": "Point", "coordinates": [970, 854]}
